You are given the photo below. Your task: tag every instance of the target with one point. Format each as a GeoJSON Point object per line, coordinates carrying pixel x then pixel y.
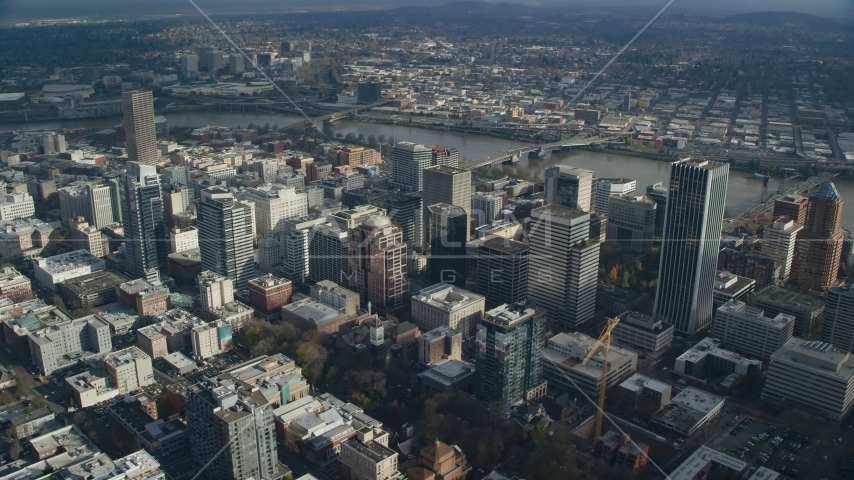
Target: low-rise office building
{"type": "Point", "coordinates": [28, 424]}
{"type": "Point", "coordinates": [621, 452]}
{"type": "Point", "coordinates": [61, 345]}
{"type": "Point", "coordinates": [642, 333]}
{"type": "Point", "coordinates": [165, 440]}
{"type": "Point", "coordinates": [91, 387]}
{"type": "Point", "coordinates": [91, 290]}
{"type": "Point", "coordinates": [59, 268]}
{"type": "Point", "coordinates": [13, 285]}
{"type": "Point", "coordinates": [336, 296]}
{"type": "Point", "coordinates": [808, 309]}
{"type": "Point", "coordinates": [268, 294]}
{"type": "Point", "coordinates": [729, 286]}
{"type": "Point", "coordinates": [142, 296]}
{"type": "Point", "coordinates": [707, 360]}
{"type": "Point", "coordinates": [612, 301]}
{"type": "Point", "coordinates": [122, 320]}
{"type": "Point", "coordinates": [446, 305]}
{"type": "Point", "coordinates": [689, 411]}
{"type": "Point", "coordinates": [129, 369]}
{"type": "Point", "coordinates": [707, 462]}
{"type": "Point", "coordinates": [152, 341]}
{"type": "Point", "coordinates": [813, 374]}
{"type": "Point", "coordinates": [639, 389]}
{"type": "Point", "coordinates": [746, 329]}
{"type": "Point", "coordinates": [439, 345]}
{"type": "Point", "coordinates": [362, 458]}
{"type": "Point", "coordinates": [448, 377]}
{"type": "Point", "coordinates": [312, 315]}
{"type": "Point", "coordinates": [562, 366]}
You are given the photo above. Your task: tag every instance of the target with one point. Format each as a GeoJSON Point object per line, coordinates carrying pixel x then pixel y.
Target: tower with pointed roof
{"type": "Point", "coordinates": [819, 244]}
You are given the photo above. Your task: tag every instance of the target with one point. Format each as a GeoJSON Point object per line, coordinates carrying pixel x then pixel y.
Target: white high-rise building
{"type": "Point", "coordinates": [295, 241]}
{"type": "Point", "coordinates": [190, 66]}
{"type": "Point", "coordinates": [603, 188]}
{"type": "Point", "coordinates": [214, 290]}
{"type": "Point", "coordinates": [140, 134]}
{"type": "Point", "coordinates": [814, 374]}
{"type": "Point", "coordinates": [100, 205]}
{"type": "Point", "coordinates": [408, 163]}
{"type": "Point", "coordinates": [273, 205]}
{"type": "Point", "coordinates": [17, 205]}
{"type": "Point", "coordinates": [568, 186]}
{"type": "Point", "coordinates": [486, 207]}
{"type": "Point", "coordinates": [778, 242]}
{"type": "Point", "coordinates": [563, 266]}
{"type": "Point", "coordinates": [225, 236]}
{"type": "Point", "coordinates": [743, 328]}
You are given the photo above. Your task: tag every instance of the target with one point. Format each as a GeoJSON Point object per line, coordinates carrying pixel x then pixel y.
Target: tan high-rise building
{"type": "Point", "coordinates": [377, 261]}
{"type": "Point", "coordinates": [140, 136]}
{"type": "Point", "coordinates": [819, 244]}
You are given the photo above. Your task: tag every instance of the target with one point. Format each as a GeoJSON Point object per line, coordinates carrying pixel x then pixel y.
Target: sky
{"type": "Point", "coordinates": [27, 10]}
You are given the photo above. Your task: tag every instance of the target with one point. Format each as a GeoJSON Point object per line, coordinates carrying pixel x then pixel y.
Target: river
{"type": "Point", "coordinates": [743, 190]}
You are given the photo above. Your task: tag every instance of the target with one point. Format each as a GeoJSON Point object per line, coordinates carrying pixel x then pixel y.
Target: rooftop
{"type": "Point", "coordinates": [818, 357]}
{"type": "Point", "coordinates": [70, 261]}
{"type": "Point", "coordinates": [505, 245]}
{"type": "Point", "coordinates": [827, 193]}
{"type": "Point", "coordinates": [179, 360]}
{"type": "Point", "coordinates": [94, 282]}
{"type": "Point", "coordinates": [642, 322]}
{"type": "Point", "coordinates": [560, 214]}
{"type": "Point", "coordinates": [781, 297]}
{"type": "Point", "coordinates": [700, 459]}
{"type": "Point", "coordinates": [755, 314]}
{"type": "Point", "coordinates": [731, 283]}
{"type": "Point", "coordinates": [710, 346]}
{"type": "Point", "coordinates": [446, 169]}
{"type": "Point", "coordinates": [314, 311]}
{"type": "Point", "coordinates": [374, 451]}
{"type": "Point", "coordinates": [509, 315]}
{"type": "Point", "coordinates": [446, 297]}
{"type": "Point", "coordinates": [124, 356]}
{"type": "Point", "coordinates": [638, 381]}
{"type": "Point", "coordinates": [697, 400]}
{"type": "Point", "coordinates": [448, 372]}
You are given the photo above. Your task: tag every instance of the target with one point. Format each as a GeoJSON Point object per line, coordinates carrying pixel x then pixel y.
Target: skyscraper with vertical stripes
{"type": "Point", "coordinates": [140, 133]}
{"type": "Point", "coordinates": [690, 244]}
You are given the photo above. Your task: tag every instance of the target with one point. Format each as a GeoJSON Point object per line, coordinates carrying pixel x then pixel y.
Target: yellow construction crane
{"type": "Point", "coordinates": [605, 342]}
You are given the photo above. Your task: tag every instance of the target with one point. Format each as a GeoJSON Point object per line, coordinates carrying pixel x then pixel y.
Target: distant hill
{"type": "Point", "coordinates": [785, 18]}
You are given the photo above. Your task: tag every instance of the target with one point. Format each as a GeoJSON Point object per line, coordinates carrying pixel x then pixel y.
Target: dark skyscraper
{"type": "Point", "coordinates": [404, 210]}
{"type": "Point", "coordinates": [142, 217]}
{"type": "Point", "coordinates": [819, 245]}
{"type": "Point", "coordinates": [502, 271]}
{"type": "Point", "coordinates": [690, 244]}
{"type": "Point", "coordinates": [447, 227]}
{"type": "Point", "coordinates": [369, 92]}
